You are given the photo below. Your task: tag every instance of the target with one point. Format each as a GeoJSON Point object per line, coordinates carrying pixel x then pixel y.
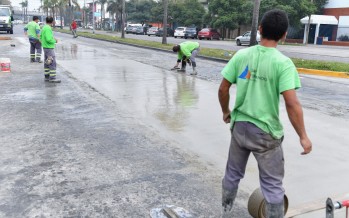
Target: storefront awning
{"type": "Point", "coordinates": [320, 19]}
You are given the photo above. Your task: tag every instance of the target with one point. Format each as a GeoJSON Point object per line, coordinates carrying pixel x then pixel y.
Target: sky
{"type": "Point", "coordinates": [35, 4]}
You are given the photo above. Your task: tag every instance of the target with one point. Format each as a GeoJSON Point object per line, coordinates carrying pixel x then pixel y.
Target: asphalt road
{"type": "Point", "coordinates": [309, 52]}
{"type": "Point", "coordinates": [123, 134]}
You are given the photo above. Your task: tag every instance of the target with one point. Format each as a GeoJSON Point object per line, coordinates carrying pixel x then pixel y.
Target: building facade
{"type": "Point", "coordinates": [339, 9]}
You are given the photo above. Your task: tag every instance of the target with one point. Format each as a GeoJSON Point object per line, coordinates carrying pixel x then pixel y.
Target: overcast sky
{"type": "Point", "coordinates": [35, 4]}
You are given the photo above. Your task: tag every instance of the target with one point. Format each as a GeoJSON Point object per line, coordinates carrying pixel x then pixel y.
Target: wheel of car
{"type": "Point", "coordinates": [208, 38]}
{"type": "Point", "coordinates": [176, 37]}
{"type": "Point", "coordinates": [185, 37]}
{"type": "Point", "coordinates": [148, 35]}
{"type": "Point", "coordinates": [11, 31]}
{"type": "Point", "coordinates": [238, 43]}
{"type": "Point", "coordinates": [200, 38]}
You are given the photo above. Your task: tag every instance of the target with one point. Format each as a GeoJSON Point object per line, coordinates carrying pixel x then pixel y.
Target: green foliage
{"type": "Point", "coordinates": [296, 9]}
{"type": "Point", "coordinates": [139, 11]}
{"type": "Point", "coordinates": [187, 13]}
{"type": "Point", "coordinates": [230, 13]}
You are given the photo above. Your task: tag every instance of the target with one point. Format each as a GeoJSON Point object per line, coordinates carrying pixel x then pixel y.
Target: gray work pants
{"type": "Point", "coordinates": [194, 53]}
{"type": "Point", "coordinates": [247, 138]}
{"type": "Point", "coordinates": [35, 44]}
{"type": "Point", "coordinates": [50, 66]}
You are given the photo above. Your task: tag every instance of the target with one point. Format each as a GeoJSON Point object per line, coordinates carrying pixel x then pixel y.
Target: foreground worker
{"type": "Point", "coordinates": [32, 30]}
{"type": "Point", "coordinates": [48, 43]}
{"type": "Point", "coordinates": [261, 73]}
{"type": "Point", "coordinates": [187, 52]}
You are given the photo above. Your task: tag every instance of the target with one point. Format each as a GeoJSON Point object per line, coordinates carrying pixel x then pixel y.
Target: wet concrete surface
{"type": "Point", "coordinates": [119, 107]}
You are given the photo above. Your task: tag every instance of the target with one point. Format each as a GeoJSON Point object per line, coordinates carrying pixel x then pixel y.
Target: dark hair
{"type": "Point", "coordinates": [49, 19]}
{"type": "Point", "coordinates": [274, 24]}
{"type": "Point", "coordinates": [35, 18]}
{"type": "Point", "coordinates": [176, 48]}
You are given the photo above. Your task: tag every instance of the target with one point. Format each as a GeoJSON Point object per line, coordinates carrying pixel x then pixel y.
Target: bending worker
{"type": "Point", "coordinates": [187, 52]}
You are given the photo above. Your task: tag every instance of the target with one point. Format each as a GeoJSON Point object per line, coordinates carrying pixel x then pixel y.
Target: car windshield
{"type": "Point", "coordinates": [179, 29]}
{"type": "Point", "coordinates": [4, 12]}
{"type": "Point", "coordinates": [153, 28]}
{"type": "Point", "coordinates": [191, 29]}
{"type": "Point", "coordinates": [205, 30]}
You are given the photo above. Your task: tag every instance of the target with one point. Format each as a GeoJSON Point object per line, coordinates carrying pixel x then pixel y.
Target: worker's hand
{"type": "Point", "coordinates": [226, 117]}
{"type": "Point", "coordinates": [307, 145]}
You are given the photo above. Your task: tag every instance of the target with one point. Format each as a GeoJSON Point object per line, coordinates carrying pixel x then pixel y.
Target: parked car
{"type": "Point", "coordinates": [129, 29]}
{"type": "Point", "coordinates": [152, 31]}
{"type": "Point", "coordinates": [179, 32]}
{"type": "Point", "coordinates": [139, 30]}
{"type": "Point", "coordinates": [160, 32]}
{"type": "Point", "coordinates": [190, 33]}
{"type": "Point", "coordinates": [209, 34]}
{"type": "Point", "coordinates": [245, 38]}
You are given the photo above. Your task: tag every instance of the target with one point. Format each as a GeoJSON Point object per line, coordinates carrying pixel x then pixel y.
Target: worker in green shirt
{"type": "Point", "coordinates": [32, 30]}
{"type": "Point", "coordinates": [261, 74]}
{"type": "Point", "coordinates": [48, 43]}
{"type": "Point", "coordinates": [187, 51]}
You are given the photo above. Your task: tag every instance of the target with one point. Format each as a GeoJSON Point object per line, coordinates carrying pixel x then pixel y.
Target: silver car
{"type": "Point", "coordinates": [152, 31]}
{"type": "Point", "coordinates": [245, 38]}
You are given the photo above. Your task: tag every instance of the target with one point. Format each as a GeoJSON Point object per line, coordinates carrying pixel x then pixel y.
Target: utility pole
{"type": "Point", "coordinates": [123, 16]}
{"type": "Point", "coordinates": [164, 23]}
{"type": "Point", "coordinates": [253, 39]}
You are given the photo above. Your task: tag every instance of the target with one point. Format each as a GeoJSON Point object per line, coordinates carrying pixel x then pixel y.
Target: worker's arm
{"type": "Point", "coordinates": [223, 95]}
{"type": "Point", "coordinates": [295, 114]}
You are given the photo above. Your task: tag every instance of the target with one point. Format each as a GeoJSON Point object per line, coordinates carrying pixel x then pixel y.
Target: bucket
{"type": "Point", "coordinates": [5, 65]}
{"type": "Point", "coordinates": [257, 204]}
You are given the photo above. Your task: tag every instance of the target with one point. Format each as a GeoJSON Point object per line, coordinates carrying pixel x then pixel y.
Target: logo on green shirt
{"type": "Point", "coordinates": [246, 74]}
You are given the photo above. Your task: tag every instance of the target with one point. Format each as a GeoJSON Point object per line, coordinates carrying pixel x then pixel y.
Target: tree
{"type": "Point", "coordinates": [115, 8]}
{"type": "Point", "coordinates": [139, 11]}
{"type": "Point", "coordinates": [5, 2]}
{"type": "Point", "coordinates": [253, 38]}
{"type": "Point", "coordinates": [102, 2]}
{"type": "Point", "coordinates": [230, 14]}
{"type": "Point", "coordinates": [187, 13]}
{"type": "Point", "coordinates": [164, 32]}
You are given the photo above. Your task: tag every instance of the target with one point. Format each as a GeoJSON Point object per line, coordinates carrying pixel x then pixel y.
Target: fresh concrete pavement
{"type": "Point", "coordinates": [122, 134]}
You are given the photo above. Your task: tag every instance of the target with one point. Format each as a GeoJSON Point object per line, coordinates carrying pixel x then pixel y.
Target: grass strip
{"type": "Point", "coordinates": [215, 53]}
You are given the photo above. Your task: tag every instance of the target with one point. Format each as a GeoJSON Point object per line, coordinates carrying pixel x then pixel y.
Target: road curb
{"type": "Point", "coordinates": [300, 70]}
{"type": "Point", "coordinates": [323, 73]}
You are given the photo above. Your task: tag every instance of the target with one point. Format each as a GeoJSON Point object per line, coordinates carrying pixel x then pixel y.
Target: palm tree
{"type": "Point", "coordinates": [24, 5]}
{"type": "Point", "coordinates": [102, 2]}
{"type": "Point", "coordinates": [115, 9]}
{"type": "Point", "coordinates": [253, 39]}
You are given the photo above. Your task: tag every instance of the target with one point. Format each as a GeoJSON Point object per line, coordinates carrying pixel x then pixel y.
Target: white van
{"type": "Point", "coordinates": [6, 19]}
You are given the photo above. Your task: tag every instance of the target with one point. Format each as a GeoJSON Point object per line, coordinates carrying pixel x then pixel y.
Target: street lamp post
{"type": "Point", "coordinates": [93, 17]}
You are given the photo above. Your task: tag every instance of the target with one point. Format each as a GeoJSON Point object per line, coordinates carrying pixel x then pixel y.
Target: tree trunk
{"type": "Point", "coordinates": [164, 23]}
{"type": "Point", "coordinates": [253, 39]}
{"type": "Point", "coordinates": [123, 16]}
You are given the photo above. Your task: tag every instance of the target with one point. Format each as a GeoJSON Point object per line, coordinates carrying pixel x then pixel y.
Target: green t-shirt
{"type": "Point", "coordinates": [261, 74]}
{"type": "Point", "coordinates": [186, 49]}
{"type": "Point", "coordinates": [32, 29]}
{"type": "Point", "coordinates": [46, 36]}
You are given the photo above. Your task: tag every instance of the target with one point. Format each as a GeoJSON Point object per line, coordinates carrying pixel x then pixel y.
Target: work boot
{"type": "Point", "coordinates": [194, 72]}
{"type": "Point", "coordinates": [228, 197]}
{"type": "Point", "coordinates": [54, 80]}
{"type": "Point", "coordinates": [275, 210]}
{"type": "Point", "coordinates": [32, 60]}
{"type": "Point", "coordinates": [47, 78]}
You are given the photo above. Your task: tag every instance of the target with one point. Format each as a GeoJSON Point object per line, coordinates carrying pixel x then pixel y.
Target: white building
{"type": "Point", "coordinates": [339, 9]}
